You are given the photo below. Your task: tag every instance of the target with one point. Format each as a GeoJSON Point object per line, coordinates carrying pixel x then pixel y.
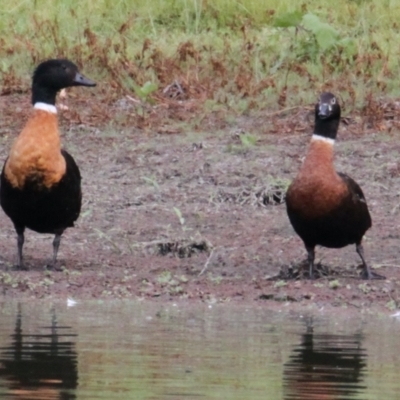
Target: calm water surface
{"type": "Point", "coordinates": [140, 350]}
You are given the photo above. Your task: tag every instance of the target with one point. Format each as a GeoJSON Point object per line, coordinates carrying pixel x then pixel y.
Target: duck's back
{"type": "Point", "coordinates": [41, 208]}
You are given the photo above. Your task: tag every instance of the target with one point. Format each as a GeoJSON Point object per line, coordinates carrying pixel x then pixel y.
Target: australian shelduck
{"type": "Point", "coordinates": [41, 183]}
{"type": "Point", "coordinates": [326, 207]}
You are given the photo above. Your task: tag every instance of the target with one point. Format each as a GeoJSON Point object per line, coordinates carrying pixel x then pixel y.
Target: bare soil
{"type": "Point", "coordinates": [176, 211]}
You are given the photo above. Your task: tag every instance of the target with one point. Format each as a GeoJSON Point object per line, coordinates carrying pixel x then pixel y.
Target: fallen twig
{"type": "Point", "coordinates": [207, 262]}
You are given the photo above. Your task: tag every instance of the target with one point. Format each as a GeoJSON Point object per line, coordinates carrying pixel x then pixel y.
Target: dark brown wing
{"type": "Point", "coordinates": [354, 188]}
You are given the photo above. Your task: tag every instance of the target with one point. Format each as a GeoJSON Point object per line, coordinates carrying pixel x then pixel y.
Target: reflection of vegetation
{"type": "Point", "coordinates": [187, 351]}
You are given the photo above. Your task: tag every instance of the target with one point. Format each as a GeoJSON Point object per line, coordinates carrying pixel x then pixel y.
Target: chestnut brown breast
{"type": "Point", "coordinates": [36, 153]}
{"type": "Point", "coordinates": [317, 189]}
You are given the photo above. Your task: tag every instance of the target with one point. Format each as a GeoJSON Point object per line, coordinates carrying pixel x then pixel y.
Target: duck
{"type": "Point", "coordinates": [325, 207]}
{"type": "Point", "coordinates": [40, 183]}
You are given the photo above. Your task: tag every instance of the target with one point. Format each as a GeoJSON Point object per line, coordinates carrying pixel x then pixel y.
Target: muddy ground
{"type": "Point", "coordinates": [199, 214]}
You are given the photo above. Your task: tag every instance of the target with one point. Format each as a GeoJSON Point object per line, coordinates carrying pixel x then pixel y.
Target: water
{"type": "Point", "coordinates": [140, 350]}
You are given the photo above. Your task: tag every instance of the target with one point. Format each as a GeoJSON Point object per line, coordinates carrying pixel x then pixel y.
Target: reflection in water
{"type": "Point", "coordinates": [151, 351]}
{"type": "Point", "coordinates": [39, 366]}
{"type": "Point", "coordinates": [325, 366]}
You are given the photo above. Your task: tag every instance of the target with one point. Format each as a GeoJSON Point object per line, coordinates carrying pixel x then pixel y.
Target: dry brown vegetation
{"type": "Point", "coordinates": [176, 69]}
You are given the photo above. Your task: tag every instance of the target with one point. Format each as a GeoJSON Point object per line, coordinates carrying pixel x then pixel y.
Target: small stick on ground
{"type": "Point", "coordinates": [207, 262]}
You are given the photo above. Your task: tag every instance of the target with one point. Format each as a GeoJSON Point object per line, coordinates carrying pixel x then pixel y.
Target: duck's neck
{"type": "Point", "coordinates": [320, 154]}
{"type": "Point", "coordinates": [43, 94]}
{"type": "Point", "coordinates": [45, 107]}
{"type": "Point", "coordinates": [315, 138]}
{"type": "Point", "coordinates": [326, 127]}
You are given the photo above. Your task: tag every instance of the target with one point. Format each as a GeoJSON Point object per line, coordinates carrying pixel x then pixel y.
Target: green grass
{"type": "Point", "coordinates": [234, 53]}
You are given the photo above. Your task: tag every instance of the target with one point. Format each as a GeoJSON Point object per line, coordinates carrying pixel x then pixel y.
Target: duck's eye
{"type": "Point", "coordinates": [64, 67]}
{"type": "Point", "coordinates": [333, 101]}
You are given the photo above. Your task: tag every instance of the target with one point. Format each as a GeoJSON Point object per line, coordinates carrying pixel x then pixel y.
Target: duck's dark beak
{"type": "Point", "coordinates": [324, 110]}
{"type": "Point", "coordinates": [81, 80]}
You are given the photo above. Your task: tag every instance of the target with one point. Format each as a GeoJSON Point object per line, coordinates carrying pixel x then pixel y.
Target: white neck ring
{"type": "Point", "coordinates": [323, 139]}
{"type": "Point", "coordinates": [45, 107]}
